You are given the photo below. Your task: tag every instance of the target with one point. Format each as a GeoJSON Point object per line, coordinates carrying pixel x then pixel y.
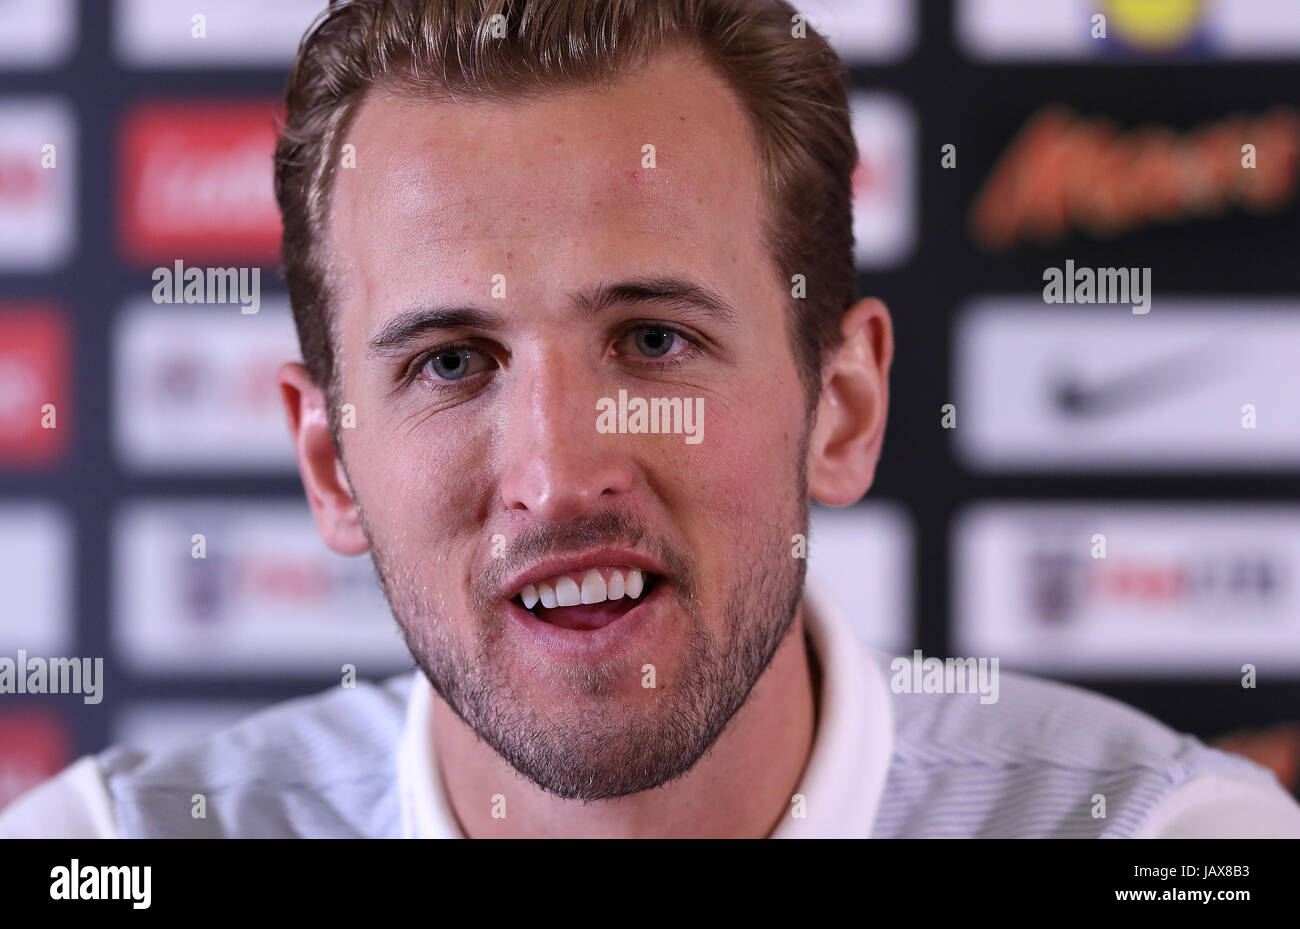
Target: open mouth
{"type": "Point", "coordinates": [588, 599]}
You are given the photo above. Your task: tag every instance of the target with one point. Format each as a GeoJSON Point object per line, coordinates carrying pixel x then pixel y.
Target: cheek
{"type": "Point", "coordinates": [751, 440]}
{"type": "Point", "coordinates": [736, 489]}
{"type": "Point", "coordinates": [421, 486]}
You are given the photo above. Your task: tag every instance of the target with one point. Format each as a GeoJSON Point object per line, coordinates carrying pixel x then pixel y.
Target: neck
{"type": "Point", "coordinates": [764, 747]}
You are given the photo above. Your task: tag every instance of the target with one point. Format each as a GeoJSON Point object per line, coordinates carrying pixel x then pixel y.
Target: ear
{"type": "Point", "coordinates": [328, 490]}
{"type": "Point", "coordinates": [846, 440]}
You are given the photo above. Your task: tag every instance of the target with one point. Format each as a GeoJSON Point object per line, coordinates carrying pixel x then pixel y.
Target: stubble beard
{"type": "Point", "coordinates": [582, 747]}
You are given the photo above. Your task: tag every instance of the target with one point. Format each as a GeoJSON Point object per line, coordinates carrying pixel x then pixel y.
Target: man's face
{"type": "Point", "coordinates": [476, 459]}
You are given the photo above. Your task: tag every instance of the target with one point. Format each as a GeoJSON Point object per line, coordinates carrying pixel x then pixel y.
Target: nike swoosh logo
{"type": "Point", "coordinates": [1076, 398]}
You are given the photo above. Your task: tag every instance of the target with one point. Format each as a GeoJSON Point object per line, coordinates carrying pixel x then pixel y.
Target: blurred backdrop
{"type": "Point", "coordinates": [1100, 493]}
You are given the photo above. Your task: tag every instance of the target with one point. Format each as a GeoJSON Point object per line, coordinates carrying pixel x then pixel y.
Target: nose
{"type": "Point", "coordinates": [555, 465]}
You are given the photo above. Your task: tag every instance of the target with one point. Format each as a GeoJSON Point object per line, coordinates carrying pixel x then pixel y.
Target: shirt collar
{"type": "Point", "coordinates": [845, 775]}
{"type": "Point", "coordinates": [426, 812]}
{"type": "Point", "coordinates": [841, 784]}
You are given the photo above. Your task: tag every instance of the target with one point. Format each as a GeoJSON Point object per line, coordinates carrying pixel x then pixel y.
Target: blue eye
{"type": "Point", "coordinates": [655, 343]}
{"type": "Point", "coordinates": [450, 366]}
{"type": "Point", "coordinates": [453, 364]}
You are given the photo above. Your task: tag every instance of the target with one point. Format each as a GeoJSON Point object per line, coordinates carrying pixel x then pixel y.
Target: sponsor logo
{"type": "Point", "coordinates": [252, 589]}
{"type": "Point", "coordinates": [195, 391]}
{"type": "Point", "coordinates": [1123, 588]}
{"type": "Point", "coordinates": [884, 185]}
{"type": "Point", "coordinates": [1064, 582]}
{"type": "Point", "coordinates": [1204, 384]}
{"type": "Point", "coordinates": [1148, 384]}
{"type": "Point", "coordinates": [1140, 27]}
{"type": "Point", "coordinates": [1064, 171]}
{"type": "Point", "coordinates": [38, 184]}
{"type": "Point", "coordinates": [196, 182]}
{"type": "Point", "coordinates": [1133, 31]}
{"type": "Point", "coordinates": [33, 748]}
{"type": "Point", "coordinates": [35, 394]}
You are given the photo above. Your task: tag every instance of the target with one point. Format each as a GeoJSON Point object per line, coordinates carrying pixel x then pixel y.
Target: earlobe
{"type": "Point", "coordinates": [846, 441]}
{"type": "Point", "coordinates": [324, 479]}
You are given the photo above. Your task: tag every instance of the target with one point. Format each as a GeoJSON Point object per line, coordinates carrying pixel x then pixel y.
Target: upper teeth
{"type": "Point", "coordinates": [597, 586]}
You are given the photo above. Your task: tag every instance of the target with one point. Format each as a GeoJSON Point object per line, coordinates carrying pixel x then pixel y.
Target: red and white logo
{"type": "Point", "coordinates": [1106, 587]}
{"type": "Point", "coordinates": [197, 183]}
{"type": "Point", "coordinates": [33, 748]}
{"type": "Point", "coordinates": [195, 391]}
{"type": "Point", "coordinates": [38, 189]}
{"type": "Point", "coordinates": [253, 589]}
{"type": "Point", "coordinates": [884, 186]}
{"type": "Point", "coordinates": [35, 414]}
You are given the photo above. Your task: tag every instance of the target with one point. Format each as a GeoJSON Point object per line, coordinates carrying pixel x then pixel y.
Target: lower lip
{"type": "Point", "coordinates": [588, 643]}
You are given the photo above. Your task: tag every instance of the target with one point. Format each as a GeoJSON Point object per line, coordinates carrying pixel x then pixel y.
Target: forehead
{"type": "Point", "coordinates": [444, 195]}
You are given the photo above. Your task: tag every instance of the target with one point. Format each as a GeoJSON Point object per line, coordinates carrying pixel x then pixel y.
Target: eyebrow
{"type": "Point", "coordinates": [677, 292]}
{"type": "Point", "coordinates": [409, 325]}
{"type": "Point", "coordinates": [680, 293]}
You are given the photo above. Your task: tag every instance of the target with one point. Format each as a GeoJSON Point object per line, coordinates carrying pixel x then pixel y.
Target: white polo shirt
{"type": "Point", "coordinates": [941, 765]}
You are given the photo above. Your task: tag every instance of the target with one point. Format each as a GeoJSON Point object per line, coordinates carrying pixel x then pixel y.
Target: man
{"type": "Point", "coordinates": [575, 294]}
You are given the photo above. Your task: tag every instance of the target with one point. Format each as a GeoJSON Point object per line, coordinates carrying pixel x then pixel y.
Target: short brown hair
{"type": "Point", "coordinates": [794, 89]}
